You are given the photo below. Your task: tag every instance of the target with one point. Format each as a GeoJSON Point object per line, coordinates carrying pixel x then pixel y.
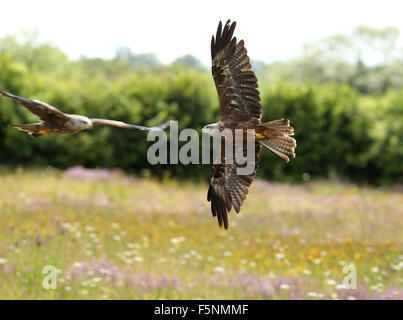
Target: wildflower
{"type": "Point", "coordinates": [374, 269]}
{"type": "Point", "coordinates": [219, 269]}
{"type": "Point", "coordinates": [177, 240]}
{"type": "Point", "coordinates": [115, 225]}
{"type": "Point", "coordinates": [279, 256]}
{"type": "Point", "coordinates": [330, 282]}
{"type": "Point", "coordinates": [3, 260]}
{"type": "Point", "coordinates": [340, 286]}
{"type": "Point", "coordinates": [89, 228]}
{"type": "Point", "coordinates": [285, 286]}
{"type": "Point", "coordinates": [312, 294]}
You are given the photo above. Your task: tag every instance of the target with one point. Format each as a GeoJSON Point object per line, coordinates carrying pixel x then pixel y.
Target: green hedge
{"type": "Point", "coordinates": [338, 131]}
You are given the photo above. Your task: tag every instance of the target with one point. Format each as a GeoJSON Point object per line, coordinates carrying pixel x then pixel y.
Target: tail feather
{"type": "Point", "coordinates": [31, 129]}
{"type": "Point", "coordinates": [275, 136]}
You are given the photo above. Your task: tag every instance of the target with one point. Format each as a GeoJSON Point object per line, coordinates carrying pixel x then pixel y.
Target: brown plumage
{"type": "Point", "coordinates": [240, 108]}
{"type": "Point", "coordinates": [55, 121]}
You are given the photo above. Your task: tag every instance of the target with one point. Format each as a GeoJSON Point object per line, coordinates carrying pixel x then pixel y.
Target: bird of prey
{"type": "Point", "coordinates": [240, 108]}
{"type": "Point", "coordinates": [55, 121]}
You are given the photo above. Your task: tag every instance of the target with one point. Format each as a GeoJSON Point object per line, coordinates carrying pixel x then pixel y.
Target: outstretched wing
{"type": "Point", "coordinates": [227, 189]}
{"type": "Point", "coordinates": [44, 111]}
{"type": "Point", "coordinates": [124, 125]}
{"type": "Point", "coordinates": [236, 83]}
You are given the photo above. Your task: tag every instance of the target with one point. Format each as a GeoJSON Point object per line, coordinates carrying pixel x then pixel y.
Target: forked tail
{"type": "Point", "coordinates": [276, 136]}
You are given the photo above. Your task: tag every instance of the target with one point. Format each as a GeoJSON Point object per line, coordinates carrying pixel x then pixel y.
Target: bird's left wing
{"type": "Point", "coordinates": [44, 111]}
{"type": "Point", "coordinates": [124, 125]}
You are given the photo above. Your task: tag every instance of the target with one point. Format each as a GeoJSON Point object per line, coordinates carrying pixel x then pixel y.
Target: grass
{"type": "Point", "coordinates": [112, 236]}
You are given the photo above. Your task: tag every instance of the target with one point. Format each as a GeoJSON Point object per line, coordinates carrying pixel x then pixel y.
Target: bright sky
{"type": "Point", "coordinates": [272, 30]}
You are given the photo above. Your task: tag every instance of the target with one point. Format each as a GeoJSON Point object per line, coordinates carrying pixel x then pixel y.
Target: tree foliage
{"type": "Point", "coordinates": [343, 125]}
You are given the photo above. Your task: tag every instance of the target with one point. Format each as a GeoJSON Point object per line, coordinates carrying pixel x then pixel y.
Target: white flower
{"type": "Point", "coordinates": [3, 260]}
{"type": "Point", "coordinates": [104, 271]}
{"type": "Point", "coordinates": [89, 228]}
{"type": "Point", "coordinates": [219, 269]}
{"type": "Point", "coordinates": [228, 253]}
{"type": "Point", "coordinates": [279, 256]}
{"type": "Point", "coordinates": [351, 298]}
{"type": "Point", "coordinates": [340, 286]}
{"type": "Point", "coordinates": [312, 294]}
{"type": "Point", "coordinates": [374, 269]}
{"type": "Point", "coordinates": [138, 259]}
{"type": "Point", "coordinates": [285, 286]}
{"type": "Point", "coordinates": [330, 282]}
{"type": "Point", "coordinates": [177, 240]}
{"type": "Point", "coordinates": [115, 225]}
{"type": "Point", "coordinates": [306, 272]}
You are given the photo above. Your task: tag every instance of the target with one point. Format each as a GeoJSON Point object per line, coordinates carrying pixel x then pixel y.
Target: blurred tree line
{"type": "Point", "coordinates": [344, 96]}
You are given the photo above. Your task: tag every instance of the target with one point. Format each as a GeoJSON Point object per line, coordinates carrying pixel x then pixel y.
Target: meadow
{"type": "Point", "coordinates": [115, 236]}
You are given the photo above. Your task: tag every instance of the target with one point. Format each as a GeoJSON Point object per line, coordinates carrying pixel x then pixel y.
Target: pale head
{"type": "Point", "coordinates": [81, 122]}
{"type": "Point", "coordinates": [212, 130]}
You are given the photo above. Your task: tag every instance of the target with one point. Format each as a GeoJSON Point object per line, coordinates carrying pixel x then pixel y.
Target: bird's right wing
{"type": "Point", "coordinates": [44, 111]}
{"type": "Point", "coordinates": [124, 125]}
{"type": "Point", "coordinates": [227, 189]}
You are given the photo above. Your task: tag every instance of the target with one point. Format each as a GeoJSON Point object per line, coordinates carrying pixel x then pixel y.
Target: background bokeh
{"type": "Point", "coordinates": [346, 109]}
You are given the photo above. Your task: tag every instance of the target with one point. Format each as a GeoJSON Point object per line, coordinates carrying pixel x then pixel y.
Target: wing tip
{"type": "Point", "coordinates": [223, 36]}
